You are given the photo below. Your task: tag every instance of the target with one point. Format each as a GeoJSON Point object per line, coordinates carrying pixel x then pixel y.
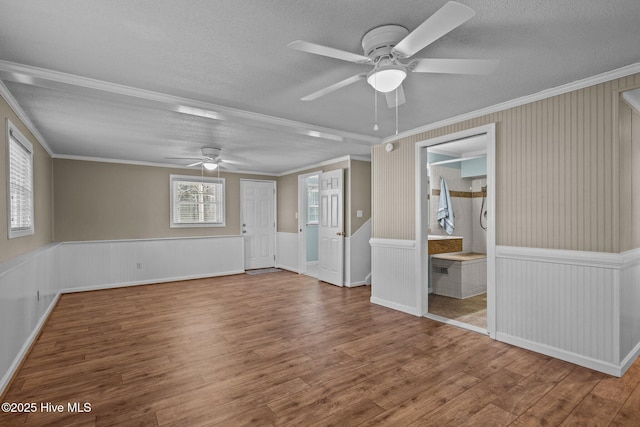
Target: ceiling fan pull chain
{"type": "Point", "coordinates": [375, 103]}
{"type": "Point", "coordinates": [396, 111]}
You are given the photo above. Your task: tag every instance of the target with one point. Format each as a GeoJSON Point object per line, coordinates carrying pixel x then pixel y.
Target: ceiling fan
{"type": "Point", "coordinates": [211, 159]}
{"type": "Point", "coordinates": [388, 48]}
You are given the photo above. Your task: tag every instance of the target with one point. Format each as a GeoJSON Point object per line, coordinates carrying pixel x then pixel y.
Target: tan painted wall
{"type": "Point", "coordinates": [360, 178]}
{"type": "Point", "coordinates": [557, 173]}
{"type": "Point", "coordinates": [42, 166]}
{"type": "Point", "coordinates": [105, 201]}
{"type": "Point", "coordinates": [629, 120]}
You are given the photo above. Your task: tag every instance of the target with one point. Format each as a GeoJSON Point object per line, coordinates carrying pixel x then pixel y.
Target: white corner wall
{"type": "Point", "coordinates": [630, 308]}
{"type": "Point", "coordinates": [357, 262]}
{"type": "Point", "coordinates": [393, 275]}
{"type": "Point", "coordinates": [31, 284]}
{"type": "Point", "coordinates": [287, 251]}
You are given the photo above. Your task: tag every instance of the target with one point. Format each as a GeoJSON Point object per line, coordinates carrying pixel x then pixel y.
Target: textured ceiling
{"type": "Point", "coordinates": [231, 56]}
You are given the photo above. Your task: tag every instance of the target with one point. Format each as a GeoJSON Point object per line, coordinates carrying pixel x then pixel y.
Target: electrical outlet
{"type": "Point", "coordinates": [139, 266]}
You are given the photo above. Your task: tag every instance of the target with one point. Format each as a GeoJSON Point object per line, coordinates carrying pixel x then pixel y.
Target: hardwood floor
{"type": "Point", "coordinates": [284, 349]}
{"type": "Point", "coordinates": [472, 310]}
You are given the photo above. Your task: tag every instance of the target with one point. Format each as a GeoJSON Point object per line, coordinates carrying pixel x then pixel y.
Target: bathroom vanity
{"type": "Point", "coordinates": [443, 244]}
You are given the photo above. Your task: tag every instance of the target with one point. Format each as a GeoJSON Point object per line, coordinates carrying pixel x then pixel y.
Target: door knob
{"type": "Point", "coordinates": [341, 233]}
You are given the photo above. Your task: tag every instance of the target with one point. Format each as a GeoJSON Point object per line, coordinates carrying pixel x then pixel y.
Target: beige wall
{"type": "Point", "coordinates": [360, 191]}
{"type": "Point", "coordinates": [105, 201]}
{"type": "Point", "coordinates": [557, 173]}
{"type": "Point", "coordinates": [42, 166]}
{"type": "Point", "coordinates": [629, 120]}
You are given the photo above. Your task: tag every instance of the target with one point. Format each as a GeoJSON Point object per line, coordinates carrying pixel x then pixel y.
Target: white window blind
{"type": "Point", "coordinates": [197, 201]}
{"type": "Point", "coordinates": [20, 182]}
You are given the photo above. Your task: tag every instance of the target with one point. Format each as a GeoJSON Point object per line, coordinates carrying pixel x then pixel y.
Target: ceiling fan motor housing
{"type": "Point", "coordinates": [378, 42]}
{"type": "Point", "coordinates": [211, 152]}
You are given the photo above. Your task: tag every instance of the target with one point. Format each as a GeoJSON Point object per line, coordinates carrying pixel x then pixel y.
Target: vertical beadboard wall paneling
{"type": "Point", "coordinates": [27, 291]}
{"type": "Point", "coordinates": [629, 313]}
{"type": "Point", "coordinates": [635, 180]}
{"type": "Point", "coordinates": [393, 275]}
{"type": "Point", "coordinates": [561, 303]}
{"type": "Point", "coordinates": [99, 264]}
{"type": "Point", "coordinates": [629, 137]}
{"type": "Point", "coordinates": [626, 195]}
{"type": "Point", "coordinates": [557, 173]}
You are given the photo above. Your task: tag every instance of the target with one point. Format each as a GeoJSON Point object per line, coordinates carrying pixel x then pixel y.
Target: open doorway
{"type": "Point", "coordinates": [456, 196]}
{"type": "Point", "coordinates": [456, 228]}
{"type": "Point", "coordinates": [308, 223]}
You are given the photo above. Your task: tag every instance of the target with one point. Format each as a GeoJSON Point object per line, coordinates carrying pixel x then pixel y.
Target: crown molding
{"type": "Point", "coordinates": [547, 93]}
{"type": "Point", "coordinates": [325, 163]}
{"type": "Point", "coordinates": [152, 164]}
{"type": "Point", "coordinates": [13, 104]}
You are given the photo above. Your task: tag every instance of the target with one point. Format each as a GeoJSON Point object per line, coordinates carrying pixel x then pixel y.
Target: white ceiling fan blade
{"type": "Point", "coordinates": [448, 17]}
{"type": "Point", "coordinates": [331, 52]}
{"type": "Point", "coordinates": [194, 164]}
{"type": "Point", "coordinates": [391, 97]}
{"type": "Point", "coordinates": [454, 66]}
{"type": "Point", "coordinates": [226, 165]}
{"type": "Point", "coordinates": [333, 87]}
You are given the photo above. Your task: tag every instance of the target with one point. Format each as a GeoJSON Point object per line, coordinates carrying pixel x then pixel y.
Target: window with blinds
{"type": "Point", "coordinates": [312, 204]}
{"type": "Point", "coordinates": [20, 182]}
{"type": "Point", "coordinates": [197, 202]}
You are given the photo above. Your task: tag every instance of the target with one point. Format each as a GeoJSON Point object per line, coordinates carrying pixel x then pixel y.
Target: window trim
{"type": "Point", "coordinates": [14, 133]}
{"type": "Point", "coordinates": [196, 179]}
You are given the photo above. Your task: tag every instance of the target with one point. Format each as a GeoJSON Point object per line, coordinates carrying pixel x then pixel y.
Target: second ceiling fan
{"type": "Point", "coordinates": [389, 47]}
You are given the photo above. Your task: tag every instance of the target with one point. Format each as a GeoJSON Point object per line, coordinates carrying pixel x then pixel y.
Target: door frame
{"type": "Point", "coordinates": [302, 221]}
{"type": "Point", "coordinates": [275, 216]}
{"type": "Point", "coordinates": [422, 226]}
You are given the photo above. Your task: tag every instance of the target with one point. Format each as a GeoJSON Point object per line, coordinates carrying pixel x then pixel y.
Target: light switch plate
{"type": "Point", "coordinates": [359, 213]}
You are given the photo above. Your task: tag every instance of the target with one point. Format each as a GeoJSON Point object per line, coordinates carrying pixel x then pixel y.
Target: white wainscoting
{"type": "Point", "coordinates": [93, 265]}
{"type": "Point", "coordinates": [287, 251]}
{"type": "Point", "coordinates": [31, 284]}
{"type": "Point", "coordinates": [567, 304]}
{"type": "Point", "coordinates": [22, 313]}
{"type": "Point", "coordinates": [393, 282]}
{"type": "Point", "coordinates": [630, 308]}
{"type": "Point", "coordinates": [357, 252]}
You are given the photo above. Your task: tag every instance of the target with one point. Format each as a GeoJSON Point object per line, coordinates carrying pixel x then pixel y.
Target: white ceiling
{"type": "Point", "coordinates": [106, 78]}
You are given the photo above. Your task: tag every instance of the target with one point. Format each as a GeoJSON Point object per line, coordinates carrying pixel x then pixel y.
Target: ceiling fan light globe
{"type": "Point", "coordinates": [210, 166]}
{"type": "Point", "coordinates": [387, 79]}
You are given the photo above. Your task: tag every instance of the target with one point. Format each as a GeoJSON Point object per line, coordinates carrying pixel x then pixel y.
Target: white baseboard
{"type": "Point", "coordinates": [457, 323]}
{"type": "Point", "coordinates": [628, 361]}
{"type": "Point", "coordinates": [286, 267]}
{"type": "Point", "coordinates": [395, 306]}
{"type": "Point", "coordinates": [356, 284]}
{"type": "Point", "coordinates": [147, 282]}
{"type": "Point", "coordinates": [587, 362]}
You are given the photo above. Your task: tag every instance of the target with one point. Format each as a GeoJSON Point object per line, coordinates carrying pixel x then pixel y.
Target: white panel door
{"type": "Point", "coordinates": [331, 230]}
{"type": "Point", "coordinates": [258, 223]}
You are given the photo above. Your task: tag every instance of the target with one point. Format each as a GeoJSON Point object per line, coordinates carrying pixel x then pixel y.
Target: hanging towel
{"type": "Point", "coordinates": [445, 208]}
